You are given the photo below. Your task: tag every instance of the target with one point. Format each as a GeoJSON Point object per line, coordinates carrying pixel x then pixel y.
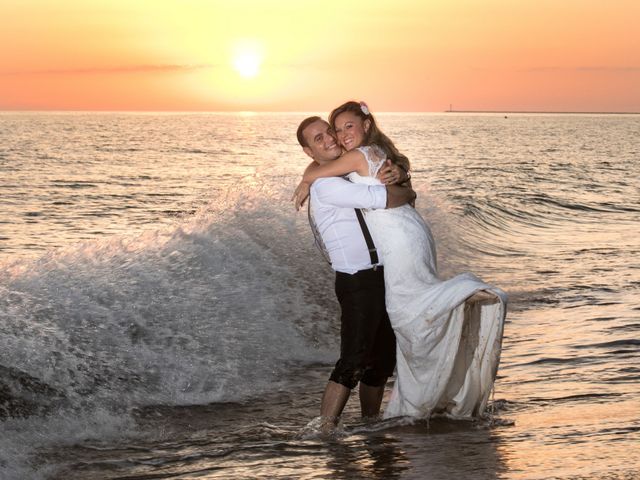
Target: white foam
{"type": "Point", "coordinates": [212, 309]}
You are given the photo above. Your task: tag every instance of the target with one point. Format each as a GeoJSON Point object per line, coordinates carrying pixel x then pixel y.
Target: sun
{"type": "Point", "coordinates": [247, 57]}
{"type": "Point", "coordinates": [247, 64]}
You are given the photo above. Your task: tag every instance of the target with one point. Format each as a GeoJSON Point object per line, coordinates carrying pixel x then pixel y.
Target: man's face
{"type": "Point", "coordinates": [322, 144]}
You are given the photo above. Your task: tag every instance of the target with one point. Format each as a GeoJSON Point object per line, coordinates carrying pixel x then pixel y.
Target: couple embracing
{"type": "Point", "coordinates": [443, 337]}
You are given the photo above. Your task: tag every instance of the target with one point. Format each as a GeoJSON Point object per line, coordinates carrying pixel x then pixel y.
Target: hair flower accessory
{"type": "Point", "coordinates": [364, 108]}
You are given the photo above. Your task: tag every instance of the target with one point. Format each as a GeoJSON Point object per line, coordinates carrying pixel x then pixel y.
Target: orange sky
{"type": "Point", "coordinates": [398, 55]}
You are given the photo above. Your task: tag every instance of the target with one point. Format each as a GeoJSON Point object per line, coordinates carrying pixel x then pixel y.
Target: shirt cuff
{"type": "Point", "coordinates": [380, 196]}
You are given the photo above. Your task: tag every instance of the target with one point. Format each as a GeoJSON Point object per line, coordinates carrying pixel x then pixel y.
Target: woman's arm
{"type": "Point", "coordinates": [352, 161]}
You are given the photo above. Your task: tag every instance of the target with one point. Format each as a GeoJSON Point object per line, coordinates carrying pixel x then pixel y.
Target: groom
{"type": "Point", "coordinates": [367, 341]}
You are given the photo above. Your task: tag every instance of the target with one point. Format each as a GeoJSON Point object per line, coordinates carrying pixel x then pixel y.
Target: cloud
{"type": "Point", "coordinates": [608, 69]}
{"type": "Point", "coordinates": [589, 68]}
{"type": "Point", "coordinates": [110, 70]}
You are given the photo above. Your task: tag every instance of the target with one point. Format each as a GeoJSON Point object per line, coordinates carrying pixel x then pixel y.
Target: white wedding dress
{"type": "Point", "coordinates": [447, 355]}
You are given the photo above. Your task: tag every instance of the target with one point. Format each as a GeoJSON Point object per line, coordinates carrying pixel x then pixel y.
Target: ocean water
{"type": "Point", "coordinates": [164, 313]}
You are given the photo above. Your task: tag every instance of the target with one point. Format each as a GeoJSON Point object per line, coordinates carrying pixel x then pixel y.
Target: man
{"type": "Point", "coordinates": [367, 341]}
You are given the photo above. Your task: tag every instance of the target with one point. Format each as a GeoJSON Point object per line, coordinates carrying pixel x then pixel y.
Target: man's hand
{"type": "Point", "coordinates": [300, 194]}
{"type": "Point", "coordinates": [391, 174]}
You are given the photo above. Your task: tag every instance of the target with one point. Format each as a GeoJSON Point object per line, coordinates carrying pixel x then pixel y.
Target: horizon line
{"type": "Point", "coordinates": [586, 112]}
{"type": "Point", "coordinates": [557, 112]}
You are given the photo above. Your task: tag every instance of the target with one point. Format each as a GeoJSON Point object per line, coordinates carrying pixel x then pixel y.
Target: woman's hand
{"type": "Point", "coordinates": [300, 194]}
{"type": "Point", "coordinates": [391, 174]}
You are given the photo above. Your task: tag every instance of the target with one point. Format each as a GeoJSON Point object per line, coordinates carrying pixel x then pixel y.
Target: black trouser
{"type": "Point", "coordinates": [367, 341]}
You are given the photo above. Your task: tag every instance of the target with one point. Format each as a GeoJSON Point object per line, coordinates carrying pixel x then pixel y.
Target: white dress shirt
{"type": "Point", "coordinates": [332, 206]}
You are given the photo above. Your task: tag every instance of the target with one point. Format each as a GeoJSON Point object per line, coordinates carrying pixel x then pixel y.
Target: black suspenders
{"type": "Point", "coordinates": [373, 253]}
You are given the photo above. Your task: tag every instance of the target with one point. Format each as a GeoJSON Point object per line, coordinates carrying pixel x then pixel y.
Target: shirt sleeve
{"type": "Point", "coordinates": [342, 193]}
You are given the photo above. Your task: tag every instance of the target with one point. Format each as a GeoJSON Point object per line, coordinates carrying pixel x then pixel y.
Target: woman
{"type": "Point", "coordinates": [448, 333]}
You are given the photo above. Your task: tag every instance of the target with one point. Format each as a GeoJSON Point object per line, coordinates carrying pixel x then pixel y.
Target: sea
{"type": "Point", "coordinates": [164, 312]}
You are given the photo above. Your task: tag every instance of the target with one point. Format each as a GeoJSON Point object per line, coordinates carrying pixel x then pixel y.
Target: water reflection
{"type": "Point", "coordinates": [569, 439]}
{"type": "Point", "coordinates": [441, 449]}
{"type": "Point", "coordinates": [377, 457]}
{"type": "Point", "coordinates": [452, 450]}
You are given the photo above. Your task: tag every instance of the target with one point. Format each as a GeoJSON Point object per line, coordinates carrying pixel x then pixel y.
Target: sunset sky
{"type": "Point", "coordinates": [303, 55]}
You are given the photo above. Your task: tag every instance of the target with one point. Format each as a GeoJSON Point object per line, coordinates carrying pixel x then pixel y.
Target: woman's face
{"type": "Point", "coordinates": [351, 130]}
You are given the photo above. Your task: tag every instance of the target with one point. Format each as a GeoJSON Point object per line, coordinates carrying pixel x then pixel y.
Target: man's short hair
{"type": "Point", "coordinates": [304, 124]}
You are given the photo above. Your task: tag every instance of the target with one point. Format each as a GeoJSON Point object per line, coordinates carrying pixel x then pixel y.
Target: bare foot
{"type": "Point", "coordinates": [328, 426]}
{"type": "Point", "coordinates": [322, 427]}
{"type": "Point", "coordinates": [371, 418]}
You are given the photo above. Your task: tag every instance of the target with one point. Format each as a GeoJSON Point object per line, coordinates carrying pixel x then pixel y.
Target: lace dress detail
{"type": "Point", "coordinates": [447, 355]}
{"type": "Point", "coordinates": [375, 157]}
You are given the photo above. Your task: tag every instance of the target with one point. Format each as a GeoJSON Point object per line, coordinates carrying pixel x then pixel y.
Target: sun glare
{"type": "Point", "coordinates": [247, 58]}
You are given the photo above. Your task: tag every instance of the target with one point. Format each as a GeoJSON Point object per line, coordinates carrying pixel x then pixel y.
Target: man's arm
{"type": "Point", "coordinates": [339, 192]}
{"type": "Point", "coordinates": [398, 195]}
{"type": "Point", "coordinates": [392, 173]}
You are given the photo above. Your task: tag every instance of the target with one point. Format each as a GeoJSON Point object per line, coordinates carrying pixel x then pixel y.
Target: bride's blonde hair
{"type": "Point", "coordinates": [374, 135]}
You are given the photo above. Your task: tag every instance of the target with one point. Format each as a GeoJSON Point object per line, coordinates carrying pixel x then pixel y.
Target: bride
{"type": "Point", "coordinates": [448, 332]}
